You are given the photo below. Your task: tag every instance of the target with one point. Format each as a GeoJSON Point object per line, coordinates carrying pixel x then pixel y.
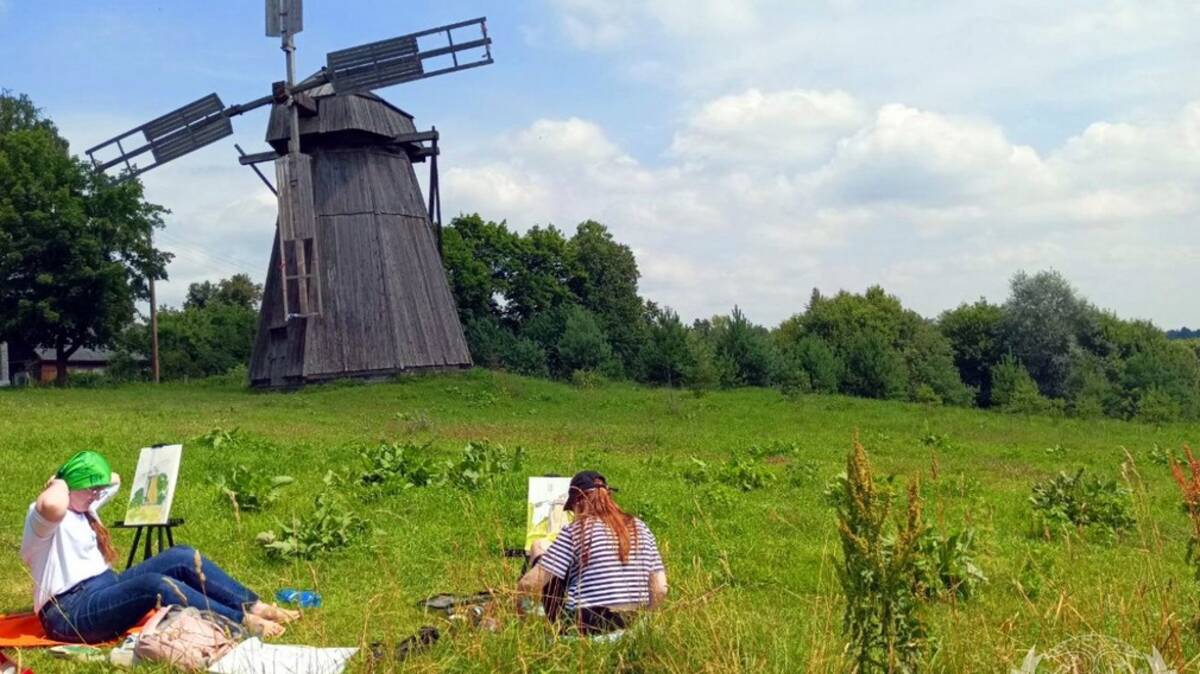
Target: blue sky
{"type": "Point", "coordinates": [748, 151]}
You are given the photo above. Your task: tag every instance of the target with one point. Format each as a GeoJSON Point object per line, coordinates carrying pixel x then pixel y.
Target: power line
{"type": "Point", "coordinates": [198, 254]}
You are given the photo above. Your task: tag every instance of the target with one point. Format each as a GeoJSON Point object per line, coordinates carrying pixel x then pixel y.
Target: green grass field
{"type": "Point", "coordinates": [753, 584]}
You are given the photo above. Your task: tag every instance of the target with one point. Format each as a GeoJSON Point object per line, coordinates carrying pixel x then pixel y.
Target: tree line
{"type": "Point", "coordinates": [545, 304]}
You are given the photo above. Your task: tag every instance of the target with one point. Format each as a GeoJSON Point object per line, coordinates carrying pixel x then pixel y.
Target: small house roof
{"type": "Point", "coordinates": [82, 355]}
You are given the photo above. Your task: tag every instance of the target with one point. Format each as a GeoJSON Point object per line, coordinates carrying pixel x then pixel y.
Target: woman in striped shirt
{"type": "Point", "coordinates": [604, 566]}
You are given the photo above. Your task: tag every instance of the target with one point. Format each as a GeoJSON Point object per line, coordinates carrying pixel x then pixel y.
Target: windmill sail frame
{"type": "Point", "coordinates": [170, 136]}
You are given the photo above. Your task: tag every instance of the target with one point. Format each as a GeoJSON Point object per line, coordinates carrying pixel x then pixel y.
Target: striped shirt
{"type": "Point", "coordinates": [605, 581]}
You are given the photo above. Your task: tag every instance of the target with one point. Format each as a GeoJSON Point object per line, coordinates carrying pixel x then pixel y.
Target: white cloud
{"type": "Point", "coordinates": [918, 157]}
{"type": "Point", "coordinates": [791, 126]}
{"type": "Point", "coordinates": [1006, 60]}
{"type": "Point", "coordinates": [939, 208]}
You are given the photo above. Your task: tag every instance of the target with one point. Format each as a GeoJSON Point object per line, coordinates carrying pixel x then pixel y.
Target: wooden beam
{"type": "Point", "coordinates": [257, 158]}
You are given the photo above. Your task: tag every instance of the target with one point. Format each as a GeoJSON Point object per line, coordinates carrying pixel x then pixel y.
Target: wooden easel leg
{"type": "Point", "coordinates": [137, 535]}
{"type": "Point", "coordinates": [160, 538]}
{"type": "Point", "coordinates": [146, 549]}
{"type": "Point", "coordinates": [170, 536]}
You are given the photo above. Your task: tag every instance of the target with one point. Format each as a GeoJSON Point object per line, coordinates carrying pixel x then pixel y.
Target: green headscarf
{"type": "Point", "coordinates": [85, 470]}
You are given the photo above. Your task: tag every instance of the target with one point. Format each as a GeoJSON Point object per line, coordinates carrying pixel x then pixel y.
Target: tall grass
{"type": "Point", "coordinates": [753, 573]}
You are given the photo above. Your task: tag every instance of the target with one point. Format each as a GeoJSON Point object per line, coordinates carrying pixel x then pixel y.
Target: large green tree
{"type": "Point", "coordinates": [75, 247]}
{"type": "Point", "coordinates": [237, 290]}
{"type": "Point", "coordinates": [974, 334]}
{"type": "Point", "coordinates": [604, 279]}
{"type": "Point", "coordinates": [1044, 319]}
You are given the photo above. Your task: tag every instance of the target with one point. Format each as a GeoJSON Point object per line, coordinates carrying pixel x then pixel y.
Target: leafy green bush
{"type": "Point", "coordinates": [696, 471]}
{"type": "Point", "coordinates": [946, 565]}
{"type": "Point", "coordinates": [802, 473]}
{"type": "Point", "coordinates": [1156, 406]}
{"type": "Point", "coordinates": [220, 438]}
{"type": "Point", "coordinates": [328, 528]}
{"type": "Point", "coordinates": [488, 341]}
{"type": "Point", "coordinates": [1013, 390]}
{"type": "Point", "coordinates": [398, 466]}
{"type": "Point", "coordinates": [587, 379]}
{"type": "Point", "coordinates": [86, 379]}
{"type": "Point", "coordinates": [525, 357]}
{"type": "Point", "coordinates": [483, 463]}
{"type": "Point", "coordinates": [251, 489]}
{"type": "Point", "coordinates": [772, 449]}
{"type": "Point", "coordinates": [745, 473]}
{"type": "Point", "coordinates": [1164, 456]}
{"type": "Point", "coordinates": [1065, 502]}
{"type": "Point", "coordinates": [742, 472]}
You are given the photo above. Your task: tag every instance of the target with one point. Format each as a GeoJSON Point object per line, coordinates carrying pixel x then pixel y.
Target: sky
{"type": "Point", "coordinates": [747, 151]}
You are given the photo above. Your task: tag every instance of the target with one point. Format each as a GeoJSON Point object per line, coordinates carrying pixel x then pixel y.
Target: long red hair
{"type": "Point", "coordinates": [103, 539]}
{"type": "Point", "coordinates": [598, 504]}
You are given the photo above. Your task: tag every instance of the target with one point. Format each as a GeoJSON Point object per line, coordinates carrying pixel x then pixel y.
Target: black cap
{"type": "Point", "coordinates": [583, 481]}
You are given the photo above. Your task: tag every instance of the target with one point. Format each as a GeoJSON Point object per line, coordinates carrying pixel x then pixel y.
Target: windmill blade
{"type": "Point", "coordinates": [191, 127]}
{"type": "Point", "coordinates": [400, 59]}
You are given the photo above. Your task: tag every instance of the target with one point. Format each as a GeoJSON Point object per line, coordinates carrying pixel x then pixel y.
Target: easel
{"type": "Point", "coordinates": [150, 530]}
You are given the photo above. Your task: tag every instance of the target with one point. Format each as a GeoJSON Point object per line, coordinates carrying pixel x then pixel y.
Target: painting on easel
{"type": "Point", "coordinates": [153, 486]}
{"type": "Point", "coordinates": [546, 515]}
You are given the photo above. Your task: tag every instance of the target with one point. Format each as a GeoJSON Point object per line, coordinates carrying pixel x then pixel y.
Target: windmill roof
{"type": "Point", "coordinates": [326, 89]}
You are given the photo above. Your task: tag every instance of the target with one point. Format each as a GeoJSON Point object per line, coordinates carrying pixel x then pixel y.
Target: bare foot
{"type": "Point", "coordinates": [274, 613]}
{"type": "Point", "coordinates": [260, 626]}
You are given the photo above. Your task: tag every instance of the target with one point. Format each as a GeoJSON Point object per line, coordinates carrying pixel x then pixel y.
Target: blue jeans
{"type": "Point", "coordinates": [102, 607]}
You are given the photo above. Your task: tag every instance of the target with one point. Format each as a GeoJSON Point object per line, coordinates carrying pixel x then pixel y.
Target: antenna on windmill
{"type": "Point", "coordinates": [293, 172]}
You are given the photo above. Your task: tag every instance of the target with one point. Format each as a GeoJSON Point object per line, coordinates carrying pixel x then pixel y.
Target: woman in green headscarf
{"type": "Point", "coordinates": [76, 593]}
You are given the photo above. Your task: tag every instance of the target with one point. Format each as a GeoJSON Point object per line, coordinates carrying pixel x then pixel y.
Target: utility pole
{"type": "Point", "coordinates": [153, 321]}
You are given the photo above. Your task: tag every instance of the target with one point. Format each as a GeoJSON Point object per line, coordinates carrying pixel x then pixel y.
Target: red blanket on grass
{"type": "Point", "coordinates": [24, 630]}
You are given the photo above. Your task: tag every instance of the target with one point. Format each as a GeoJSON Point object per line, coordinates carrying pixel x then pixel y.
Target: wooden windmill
{"type": "Point", "coordinates": [355, 287]}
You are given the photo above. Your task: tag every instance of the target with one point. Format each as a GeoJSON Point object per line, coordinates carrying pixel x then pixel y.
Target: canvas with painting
{"type": "Point", "coordinates": [153, 486]}
{"type": "Point", "coordinates": [546, 514]}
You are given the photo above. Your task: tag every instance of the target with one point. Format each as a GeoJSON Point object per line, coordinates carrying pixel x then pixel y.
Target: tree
{"type": "Point", "coordinates": [974, 334]}
{"type": "Point", "coordinates": [212, 333]}
{"type": "Point", "coordinates": [931, 368]}
{"type": "Point", "coordinates": [874, 369]}
{"type": "Point", "coordinates": [75, 250]}
{"type": "Point", "coordinates": [604, 277]}
{"type": "Point", "coordinates": [666, 356]}
{"type": "Point", "coordinates": [237, 290]}
{"type": "Point", "coordinates": [811, 354]}
{"type": "Point", "coordinates": [538, 274]}
{"type": "Point", "coordinates": [478, 257]}
{"type": "Point", "coordinates": [746, 355]}
{"type": "Point", "coordinates": [582, 345]}
{"type": "Point", "coordinates": [1041, 327]}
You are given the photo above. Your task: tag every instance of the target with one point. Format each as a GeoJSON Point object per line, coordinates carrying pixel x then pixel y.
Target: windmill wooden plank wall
{"type": "Point", "coordinates": [386, 305]}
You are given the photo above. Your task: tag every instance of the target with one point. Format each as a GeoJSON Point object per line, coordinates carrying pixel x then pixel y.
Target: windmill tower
{"type": "Point", "coordinates": [355, 286]}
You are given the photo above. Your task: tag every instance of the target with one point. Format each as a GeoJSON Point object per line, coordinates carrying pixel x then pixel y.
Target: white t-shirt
{"type": "Point", "coordinates": [59, 557]}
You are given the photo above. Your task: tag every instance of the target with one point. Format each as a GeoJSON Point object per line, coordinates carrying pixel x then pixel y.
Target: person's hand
{"type": "Point", "coordinates": [51, 480]}
{"type": "Point", "coordinates": [116, 479]}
